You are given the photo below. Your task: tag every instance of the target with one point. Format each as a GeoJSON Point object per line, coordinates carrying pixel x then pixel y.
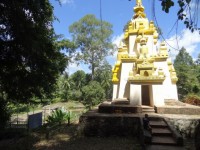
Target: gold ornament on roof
{"type": "Point", "coordinates": [139, 10]}
{"type": "Point", "coordinates": [139, 2]}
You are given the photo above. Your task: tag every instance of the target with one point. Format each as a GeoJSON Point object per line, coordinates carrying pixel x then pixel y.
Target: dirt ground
{"type": "Point", "coordinates": [67, 138]}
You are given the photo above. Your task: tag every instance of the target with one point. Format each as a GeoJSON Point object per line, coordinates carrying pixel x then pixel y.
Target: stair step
{"type": "Point", "coordinates": [163, 140]}
{"type": "Point", "coordinates": [146, 109]}
{"type": "Point", "coordinates": [161, 131]}
{"type": "Point", "coordinates": [153, 118]}
{"type": "Point", "coordinates": [165, 147]}
{"type": "Point", "coordinates": [158, 124]}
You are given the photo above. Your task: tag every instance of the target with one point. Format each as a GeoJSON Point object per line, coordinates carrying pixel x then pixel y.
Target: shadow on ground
{"type": "Point", "coordinates": [67, 138]}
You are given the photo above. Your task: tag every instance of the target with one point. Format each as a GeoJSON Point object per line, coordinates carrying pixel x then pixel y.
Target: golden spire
{"type": "Point", "coordinates": [139, 10]}
{"type": "Point", "coordinates": [139, 2]}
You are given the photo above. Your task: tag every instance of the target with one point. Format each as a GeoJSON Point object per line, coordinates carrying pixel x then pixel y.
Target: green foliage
{"type": "Point", "coordinates": [76, 95]}
{"type": "Point", "coordinates": [4, 113]}
{"type": "Point", "coordinates": [198, 60]}
{"type": "Point", "coordinates": [192, 99]}
{"type": "Point", "coordinates": [186, 12]}
{"type": "Point", "coordinates": [29, 60]}
{"type": "Point", "coordinates": [93, 38]}
{"type": "Point", "coordinates": [103, 75]}
{"type": "Point", "coordinates": [166, 4]}
{"type": "Point", "coordinates": [68, 47]}
{"type": "Point", "coordinates": [188, 74]}
{"type": "Point", "coordinates": [78, 79]}
{"type": "Point", "coordinates": [63, 88]}
{"type": "Point", "coordinates": [60, 116]}
{"type": "Point", "coordinates": [93, 94]}
{"type": "Point", "coordinates": [183, 58]}
{"type": "Point", "coordinates": [18, 108]}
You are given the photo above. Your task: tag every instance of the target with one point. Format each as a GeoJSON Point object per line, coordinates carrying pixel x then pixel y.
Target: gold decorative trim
{"type": "Point", "coordinates": [142, 79]}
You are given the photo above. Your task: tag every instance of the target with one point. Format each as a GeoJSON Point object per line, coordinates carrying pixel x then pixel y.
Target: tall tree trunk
{"type": "Point", "coordinates": [93, 66]}
{"type": "Point", "coordinates": [92, 71]}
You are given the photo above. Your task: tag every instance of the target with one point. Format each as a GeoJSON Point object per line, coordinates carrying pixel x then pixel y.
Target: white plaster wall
{"type": "Point", "coordinates": [158, 96]}
{"type": "Point", "coordinates": [151, 95]}
{"type": "Point", "coordinates": [132, 44]}
{"type": "Point", "coordinates": [115, 86]}
{"type": "Point", "coordinates": [135, 94]}
{"type": "Point", "coordinates": [169, 90]}
{"type": "Point", "coordinates": [125, 69]}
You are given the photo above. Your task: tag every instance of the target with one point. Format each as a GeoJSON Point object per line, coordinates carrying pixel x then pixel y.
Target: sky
{"type": "Point", "coordinates": [118, 13]}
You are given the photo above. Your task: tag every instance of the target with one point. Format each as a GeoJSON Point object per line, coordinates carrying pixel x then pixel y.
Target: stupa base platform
{"type": "Point", "coordinates": [118, 108]}
{"type": "Point", "coordinates": [120, 102]}
{"type": "Point", "coordinates": [182, 110]}
{"type": "Point", "coordinates": [94, 123]}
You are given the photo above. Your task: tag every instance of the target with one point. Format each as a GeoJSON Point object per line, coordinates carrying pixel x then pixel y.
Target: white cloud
{"type": "Point", "coordinates": [190, 41]}
{"type": "Point", "coordinates": [67, 1]}
{"type": "Point", "coordinates": [116, 41]}
{"type": "Point", "coordinates": [73, 67]}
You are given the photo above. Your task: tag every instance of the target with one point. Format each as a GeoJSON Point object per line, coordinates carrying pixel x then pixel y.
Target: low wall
{"type": "Point", "coordinates": [178, 110]}
{"type": "Point", "coordinates": [106, 125]}
{"type": "Point", "coordinates": [186, 127]}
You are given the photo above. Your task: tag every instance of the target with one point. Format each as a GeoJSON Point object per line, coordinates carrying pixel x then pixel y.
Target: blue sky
{"type": "Point", "coordinates": [118, 12]}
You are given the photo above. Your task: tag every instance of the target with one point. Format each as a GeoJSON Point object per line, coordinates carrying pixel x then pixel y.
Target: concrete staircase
{"type": "Point", "coordinates": [147, 109]}
{"type": "Point", "coordinates": [163, 137]}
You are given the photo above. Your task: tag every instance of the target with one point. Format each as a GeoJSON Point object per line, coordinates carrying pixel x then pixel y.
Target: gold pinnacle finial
{"type": "Point", "coordinates": [139, 2]}
{"type": "Point", "coordinates": [139, 10]}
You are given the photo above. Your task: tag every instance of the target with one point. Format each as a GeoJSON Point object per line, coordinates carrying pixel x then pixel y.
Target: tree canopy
{"type": "Point", "coordinates": [29, 59]}
{"type": "Point", "coordinates": [30, 55]}
{"type": "Point", "coordinates": [93, 38]}
{"type": "Point", "coordinates": [188, 74]}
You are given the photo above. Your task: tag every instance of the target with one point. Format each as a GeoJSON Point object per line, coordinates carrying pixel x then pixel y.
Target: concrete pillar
{"type": "Point", "coordinates": [115, 89]}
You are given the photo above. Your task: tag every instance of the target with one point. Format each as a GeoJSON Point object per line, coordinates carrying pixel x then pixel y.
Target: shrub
{"type": "Point", "coordinates": [76, 95]}
{"type": "Point", "coordinates": [4, 113]}
{"type": "Point", "coordinates": [93, 94]}
{"type": "Point", "coordinates": [192, 99]}
{"type": "Point", "coordinates": [60, 116]}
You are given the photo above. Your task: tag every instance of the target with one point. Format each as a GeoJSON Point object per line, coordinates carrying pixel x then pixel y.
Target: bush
{"type": "Point", "coordinates": [18, 108]}
{"type": "Point", "coordinates": [60, 116]}
{"type": "Point", "coordinates": [192, 99]}
{"type": "Point", "coordinates": [4, 113]}
{"type": "Point", "coordinates": [76, 95]}
{"type": "Point", "coordinates": [93, 94]}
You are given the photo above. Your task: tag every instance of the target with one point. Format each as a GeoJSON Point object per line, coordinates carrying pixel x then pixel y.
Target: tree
{"type": "Point", "coordinates": [63, 88]}
{"type": "Point", "coordinates": [68, 47]}
{"type": "Point", "coordinates": [29, 59]}
{"type": "Point", "coordinates": [78, 80]}
{"type": "Point", "coordinates": [186, 13]}
{"type": "Point", "coordinates": [198, 60]}
{"type": "Point", "coordinates": [183, 58]}
{"type": "Point", "coordinates": [93, 38]}
{"type": "Point", "coordinates": [187, 75]}
{"type": "Point", "coordinates": [93, 94]}
{"type": "Point", "coordinates": [103, 75]}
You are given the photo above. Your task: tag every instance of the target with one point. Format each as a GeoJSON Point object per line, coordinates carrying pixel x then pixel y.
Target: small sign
{"type": "Point", "coordinates": [35, 120]}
